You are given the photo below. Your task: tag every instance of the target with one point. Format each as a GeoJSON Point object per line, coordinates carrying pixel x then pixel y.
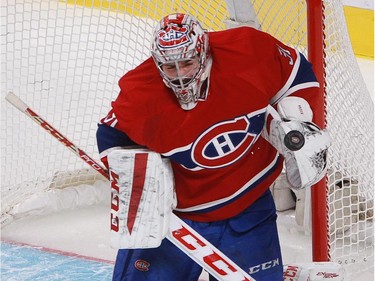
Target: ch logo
{"type": "Point", "coordinates": [226, 142]}
{"type": "Point", "coordinates": [174, 36]}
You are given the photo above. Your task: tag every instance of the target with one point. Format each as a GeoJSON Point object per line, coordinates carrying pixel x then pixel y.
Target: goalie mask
{"type": "Point", "coordinates": [180, 50]}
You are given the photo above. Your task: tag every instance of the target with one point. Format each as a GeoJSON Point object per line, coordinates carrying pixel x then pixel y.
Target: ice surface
{"type": "Point", "coordinates": [20, 262]}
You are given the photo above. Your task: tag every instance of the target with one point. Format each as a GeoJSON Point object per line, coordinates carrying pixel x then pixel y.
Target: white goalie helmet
{"type": "Point", "coordinates": [180, 49]}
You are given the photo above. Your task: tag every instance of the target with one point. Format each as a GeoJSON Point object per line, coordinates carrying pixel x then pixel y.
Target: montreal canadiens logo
{"type": "Point", "coordinates": [226, 142]}
{"type": "Point", "coordinates": [142, 265]}
{"type": "Point", "coordinates": [174, 36]}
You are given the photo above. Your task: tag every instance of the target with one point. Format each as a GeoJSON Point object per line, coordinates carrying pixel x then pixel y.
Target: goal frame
{"type": "Point", "coordinates": [319, 194]}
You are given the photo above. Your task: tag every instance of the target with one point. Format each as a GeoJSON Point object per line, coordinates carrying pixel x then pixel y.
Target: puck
{"type": "Point", "coordinates": [294, 140]}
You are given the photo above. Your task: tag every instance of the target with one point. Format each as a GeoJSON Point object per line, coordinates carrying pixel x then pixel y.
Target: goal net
{"type": "Point", "coordinates": [64, 59]}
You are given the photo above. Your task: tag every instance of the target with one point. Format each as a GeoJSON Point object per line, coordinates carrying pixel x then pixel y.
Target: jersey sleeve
{"type": "Point", "coordinates": [276, 69]}
{"type": "Point", "coordinates": [297, 75]}
{"type": "Point", "coordinates": [109, 137]}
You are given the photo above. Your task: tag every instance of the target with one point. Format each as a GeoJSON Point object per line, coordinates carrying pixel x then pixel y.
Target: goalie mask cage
{"type": "Point", "coordinates": [64, 59]}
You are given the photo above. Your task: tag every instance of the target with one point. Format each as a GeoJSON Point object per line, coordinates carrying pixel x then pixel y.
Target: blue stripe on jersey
{"type": "Point", "coordinates": [108, 137]}
{"type": "Point", "coordinates": [305, 73]}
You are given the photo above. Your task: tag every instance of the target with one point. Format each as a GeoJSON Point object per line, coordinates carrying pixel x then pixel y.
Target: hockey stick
{"type": "Point", "coordinates": [180, 234]}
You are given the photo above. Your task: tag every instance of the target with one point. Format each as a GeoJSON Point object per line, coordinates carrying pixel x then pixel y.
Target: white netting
{"type": "Point", "coordinates": [350, 112]}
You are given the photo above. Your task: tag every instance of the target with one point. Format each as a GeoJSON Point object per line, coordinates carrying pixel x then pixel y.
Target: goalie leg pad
{"type": "Point", "coordinates": [142, 198]}
{"type": "Point", "coordinates": [314, 271]}
{"type": "Point", "coordinates": [282, 194]}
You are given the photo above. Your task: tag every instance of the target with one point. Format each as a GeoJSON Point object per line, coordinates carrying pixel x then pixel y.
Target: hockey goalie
{"type": "Point", "coordinates": [217, 115]}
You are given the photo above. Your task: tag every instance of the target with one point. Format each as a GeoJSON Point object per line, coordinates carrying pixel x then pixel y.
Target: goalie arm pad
{"type": "Point", "coordinates": [302, 143]}
{"type": "Point", "coordinates": [142, 196]}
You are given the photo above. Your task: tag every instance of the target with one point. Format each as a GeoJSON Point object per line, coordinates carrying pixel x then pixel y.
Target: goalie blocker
{"type": "Point", "coordinates": [142, 198]}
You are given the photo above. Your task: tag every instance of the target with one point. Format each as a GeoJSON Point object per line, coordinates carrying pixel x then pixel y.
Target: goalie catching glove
{"type": "Point", "coordinates": [142, 194]}
{"type": "Point", "coordinates": [302, 143]}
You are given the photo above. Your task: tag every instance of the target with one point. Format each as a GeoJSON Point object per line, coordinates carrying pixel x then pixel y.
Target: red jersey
{"type": "Point", "coordinates": [221, 163]}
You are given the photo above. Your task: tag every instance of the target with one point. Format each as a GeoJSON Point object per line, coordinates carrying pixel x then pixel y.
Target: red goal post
{"type": "Point", "coordinates": [319, 193]}
{"type": "Point", "coordinates": [65, 57]}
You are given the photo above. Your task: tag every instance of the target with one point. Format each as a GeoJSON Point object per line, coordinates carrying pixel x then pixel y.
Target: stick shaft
{"type": "Point", "coordinates": [19, 104]}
